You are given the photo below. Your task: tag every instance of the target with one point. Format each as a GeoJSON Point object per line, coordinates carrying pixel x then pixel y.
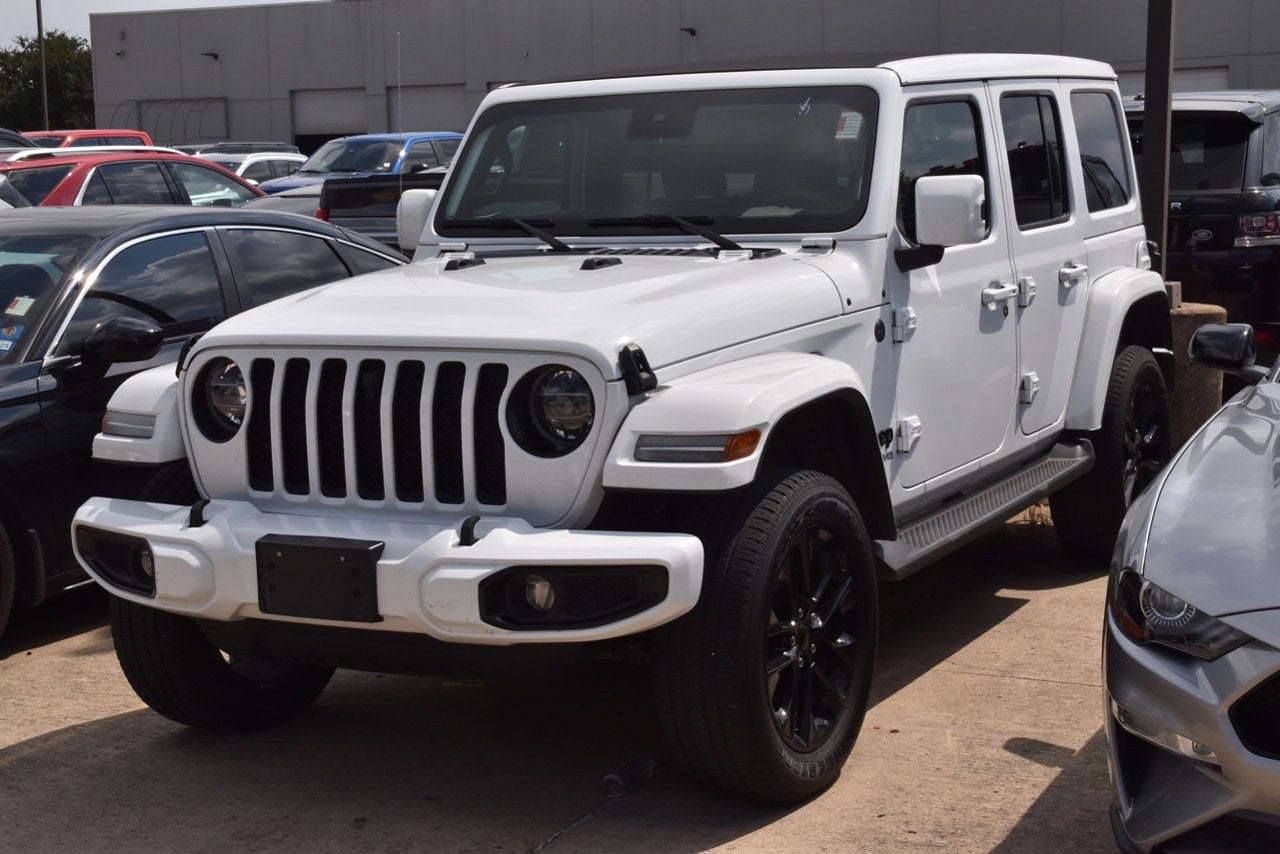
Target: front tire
{"type": "Point", "coordinates": [177, 671]}
{"type": "Point", "coordinates": [763, 687]}
{"type": "Point", "coordinates": [1131, 446]}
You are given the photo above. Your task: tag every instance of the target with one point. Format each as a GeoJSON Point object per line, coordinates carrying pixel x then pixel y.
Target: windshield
{"type": "Point", "coordinates": [31, 274]}
{"type": "Point", "coordinates": [354, 155]}
{"type": "Point", "coordinates": [745, 161]}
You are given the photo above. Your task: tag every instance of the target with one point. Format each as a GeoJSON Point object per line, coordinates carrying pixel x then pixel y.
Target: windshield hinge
{"type": "Point", "coordinates": [904, 324]}
{"type": "Point", "coordinates": [817, 243]}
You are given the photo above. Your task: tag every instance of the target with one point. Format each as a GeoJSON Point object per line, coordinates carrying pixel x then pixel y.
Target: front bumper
{"type": "Point", "coordinates": [1171, 801]}
{"type": "Point", "coordinates": [427, 582]}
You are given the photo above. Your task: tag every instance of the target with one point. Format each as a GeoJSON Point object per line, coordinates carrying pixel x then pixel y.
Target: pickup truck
{"type": "Point", "coordinates": [685, 365]}
{"type": "Point", "coordinates": [368, 203]}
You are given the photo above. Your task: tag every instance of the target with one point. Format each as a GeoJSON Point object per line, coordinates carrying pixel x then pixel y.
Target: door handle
{"type": "Point", "coordinates": [998, 293]}
{"type": "Point", "coordinates": [1071, 272]}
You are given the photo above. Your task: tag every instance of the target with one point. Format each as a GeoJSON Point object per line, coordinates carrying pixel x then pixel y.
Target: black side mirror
{"type": "Point", "coordinates": [122, 339]}
{"type": "Point", "coordinates": [1228, 347]}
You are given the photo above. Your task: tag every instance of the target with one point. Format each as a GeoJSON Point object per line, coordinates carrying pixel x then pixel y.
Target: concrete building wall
{"type": "Point", "coordinates": [327, 68]}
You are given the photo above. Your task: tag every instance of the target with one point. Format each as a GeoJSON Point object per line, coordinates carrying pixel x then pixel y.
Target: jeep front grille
{"type": "Point", "coordinates": [379, 430]}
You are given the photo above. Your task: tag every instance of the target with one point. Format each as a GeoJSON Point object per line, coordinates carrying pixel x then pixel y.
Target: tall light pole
{"type": "Point", "coordinates": [44, 80]}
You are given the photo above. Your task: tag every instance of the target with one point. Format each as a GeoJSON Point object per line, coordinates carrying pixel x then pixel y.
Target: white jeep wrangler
{"type": "Point", "coordinates": [685, 362]}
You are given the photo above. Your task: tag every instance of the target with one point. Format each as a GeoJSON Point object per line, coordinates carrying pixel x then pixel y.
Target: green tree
{"type": "Point", "coordinates": [69, 71]}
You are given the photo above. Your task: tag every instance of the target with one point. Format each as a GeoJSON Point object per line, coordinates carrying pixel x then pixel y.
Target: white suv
{"type": "Point", "coordinates": [685, 363]}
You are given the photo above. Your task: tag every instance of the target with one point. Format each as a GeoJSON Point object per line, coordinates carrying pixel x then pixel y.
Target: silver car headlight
{"type": "Point", "coordinates": [1146, 613]}
{"type": "Point", "coordinates": [218, 400]}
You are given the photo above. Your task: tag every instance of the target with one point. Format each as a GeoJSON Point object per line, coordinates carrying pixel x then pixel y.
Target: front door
{"type": "Point", "coordinates": [956, 370]}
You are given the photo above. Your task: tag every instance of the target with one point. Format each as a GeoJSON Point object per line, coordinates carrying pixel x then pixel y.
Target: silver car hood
{"type": "Point", "coordinates": [1215, 533]}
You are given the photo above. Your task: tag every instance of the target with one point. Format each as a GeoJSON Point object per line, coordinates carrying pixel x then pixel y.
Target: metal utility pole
{"type": "Point", "coordinates": [1154, 180]}
{"type": "Point", "coordinates": [44, 78]}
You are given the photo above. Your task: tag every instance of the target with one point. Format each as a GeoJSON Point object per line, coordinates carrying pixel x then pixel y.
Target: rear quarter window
{"type": "Point", "coordinates": [1100, 135]}
{"type": "Point", "coordinates": [36, 184]}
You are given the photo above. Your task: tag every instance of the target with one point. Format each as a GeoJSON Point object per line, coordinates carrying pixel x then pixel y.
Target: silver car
{"type": "Point", "coordinates": [1191, 656]}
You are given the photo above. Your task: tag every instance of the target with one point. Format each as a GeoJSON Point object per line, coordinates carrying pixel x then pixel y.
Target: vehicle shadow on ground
{"type": "Point", "coordinates": [387, 763]}
{"type": "Point", "coordinates": [61, 617]}
{"type": "Point", "coordinates": [1054, 813]}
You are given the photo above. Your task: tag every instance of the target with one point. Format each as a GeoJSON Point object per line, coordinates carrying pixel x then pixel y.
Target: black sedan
{"type": "Point", "coordinates": [77, 287]}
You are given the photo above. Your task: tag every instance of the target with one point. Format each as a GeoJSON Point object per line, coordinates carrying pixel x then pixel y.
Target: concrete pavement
{"type": "Point", "coordinates": [985, 734]}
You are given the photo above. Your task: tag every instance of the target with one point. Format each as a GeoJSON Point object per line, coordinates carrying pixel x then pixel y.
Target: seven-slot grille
{"type": "Point", "coordinates": [407, 431]}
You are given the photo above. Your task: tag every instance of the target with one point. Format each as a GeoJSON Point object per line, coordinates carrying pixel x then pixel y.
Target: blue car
{"type": "Point", "coordinates": [370, 154]}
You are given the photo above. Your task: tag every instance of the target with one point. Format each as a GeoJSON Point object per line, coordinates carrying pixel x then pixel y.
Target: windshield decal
{"type": "Point", "coordinates": [19, 306]}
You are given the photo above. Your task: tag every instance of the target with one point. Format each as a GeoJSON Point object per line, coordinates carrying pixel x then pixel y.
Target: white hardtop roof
{"type": "Point", "coordinates": [925, 69]}
{"type": "Point", "coordinates": [995, 66]}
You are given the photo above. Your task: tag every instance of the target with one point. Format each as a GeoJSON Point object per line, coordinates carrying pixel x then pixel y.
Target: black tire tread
{"type": "Point", "coordinates": [1087, 512]}
{"type": "Point", "coordinates": [179, 673]}
{"type": "Point", "coordinates": [719, 749]}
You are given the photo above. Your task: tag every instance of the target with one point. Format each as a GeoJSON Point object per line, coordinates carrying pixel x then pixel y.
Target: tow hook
{"type": "Point", "coordinates": [467, 534]}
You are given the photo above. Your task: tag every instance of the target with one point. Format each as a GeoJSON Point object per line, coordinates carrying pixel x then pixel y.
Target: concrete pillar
{"type": "Point", "coordinates": [1197, 392]}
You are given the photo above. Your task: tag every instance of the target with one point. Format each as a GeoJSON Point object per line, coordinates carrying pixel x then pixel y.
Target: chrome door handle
{"type": "Point", "coordinates": [1071, 272]}
{"type": "Point", "coordinates": [998, 293]}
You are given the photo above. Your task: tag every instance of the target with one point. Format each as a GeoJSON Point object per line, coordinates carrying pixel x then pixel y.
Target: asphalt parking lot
{"type": "Point", "coordinates": [984, 734]}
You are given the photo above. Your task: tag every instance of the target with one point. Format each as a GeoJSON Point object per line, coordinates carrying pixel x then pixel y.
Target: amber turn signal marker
{"type": "Point", "coordinates": [741, 446]}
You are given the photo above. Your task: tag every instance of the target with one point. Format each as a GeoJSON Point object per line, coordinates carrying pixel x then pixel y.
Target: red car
{"type": "Point", "coordinates": [96, 136]}
{"type": "Point", "coordinates": [66, 177]}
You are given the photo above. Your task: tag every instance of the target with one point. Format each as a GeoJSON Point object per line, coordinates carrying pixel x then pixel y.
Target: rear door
{"type": "Point", "coordinates": [1046, 247]}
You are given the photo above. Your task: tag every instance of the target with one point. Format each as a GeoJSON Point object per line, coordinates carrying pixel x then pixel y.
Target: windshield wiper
{"type": "Point", "coordinates": [529, 227]}
{"type": "Point", "coordinates": [691, 225]}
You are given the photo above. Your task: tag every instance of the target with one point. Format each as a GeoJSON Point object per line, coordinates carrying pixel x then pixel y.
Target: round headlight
{"type": "Point", "coordinates": [221, 398]}
{"type": "Point", "coordinates": [551, 411]}
{"type": "Point", "coordinates": [563, 400]}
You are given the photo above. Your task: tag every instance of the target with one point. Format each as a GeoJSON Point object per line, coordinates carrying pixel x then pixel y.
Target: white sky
{"type": "Point", "coordinates": [72, 16]}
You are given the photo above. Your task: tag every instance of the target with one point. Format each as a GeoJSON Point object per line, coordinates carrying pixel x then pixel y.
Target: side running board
{"type": "Point", "coordinates": [929, 537]}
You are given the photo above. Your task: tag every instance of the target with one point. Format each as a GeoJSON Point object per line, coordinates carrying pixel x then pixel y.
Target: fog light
{"type": "Point", "coordinates": [1161, 736]}
{"type": "Point", "coordinates": [539, 593]}
{"type": "Point", "coordinates": [147, 563]}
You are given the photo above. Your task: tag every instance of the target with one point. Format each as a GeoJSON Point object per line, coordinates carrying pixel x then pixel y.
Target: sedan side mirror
{"type": "Point", "coordinates": [1227, 347]}
{"type": "Point", "coordinates": [122, 339]}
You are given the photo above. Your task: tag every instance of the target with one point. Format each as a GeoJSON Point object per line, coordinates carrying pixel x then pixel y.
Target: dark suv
{"type": "Point", "coordinates": [1224, 203]}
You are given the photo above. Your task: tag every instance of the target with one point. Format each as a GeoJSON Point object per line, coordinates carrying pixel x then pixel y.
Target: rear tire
{"type": "Point", "coordinates": [1131, 446]}
{"type": "Point", "coordinates": [762, 688]}
{"type": "Point", "coordinates": [177, 671]}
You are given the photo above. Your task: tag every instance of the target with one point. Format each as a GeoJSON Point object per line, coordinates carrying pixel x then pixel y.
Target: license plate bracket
{"type": "Point", "coordinates": [323, 578]}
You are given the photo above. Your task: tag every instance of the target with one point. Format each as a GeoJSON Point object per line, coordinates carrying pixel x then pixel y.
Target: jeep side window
{"type": "Point", "coordinates": [1033, 142]}
{"type": "Point", "coordinates": [171, 281]}
{"type": "Point", "coordinates": [1100, 135]}
{"type": "Point", "coordinates": [938, 138]}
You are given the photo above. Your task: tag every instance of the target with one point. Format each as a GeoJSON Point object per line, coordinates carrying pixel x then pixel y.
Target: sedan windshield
{"type": "Point", "coordinates": [345, 155]}
{"type": "Point", "coordinates": [747, 161]}
{"type": "Point", "coordinates": [32, 270]}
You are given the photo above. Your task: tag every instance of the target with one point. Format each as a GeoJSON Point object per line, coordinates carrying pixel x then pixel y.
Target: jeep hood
{"type": "Point", "coordinates": [1215, 532]}
{"type": "Point", "coordinates": [673, 307]}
